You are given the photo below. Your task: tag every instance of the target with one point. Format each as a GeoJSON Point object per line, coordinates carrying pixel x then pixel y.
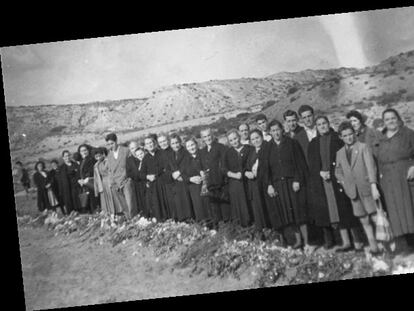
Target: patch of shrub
{"type": "Point", "coordinates": [57, 129]}
{"type": "Point", "coordinates": [292, 90]}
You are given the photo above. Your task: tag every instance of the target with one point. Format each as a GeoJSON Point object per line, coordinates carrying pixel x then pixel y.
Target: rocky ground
{"type": "Point", "coordinates": [82, 260]}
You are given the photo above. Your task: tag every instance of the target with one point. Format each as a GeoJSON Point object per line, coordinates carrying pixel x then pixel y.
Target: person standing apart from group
{"type": "Point", "coordinates": [395, 155]}
{"type": "Point", "coordinates": [357, 172]}
{"type": "Point", "coordinates": [122, 191]}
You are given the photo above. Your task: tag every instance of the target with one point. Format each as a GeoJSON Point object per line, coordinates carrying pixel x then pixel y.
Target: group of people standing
{"type": "Point", "coordinates": [310, 179]}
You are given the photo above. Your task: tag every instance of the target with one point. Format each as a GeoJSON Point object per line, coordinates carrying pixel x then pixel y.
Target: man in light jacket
{"type": "Point", "coordinates": [356, 171]}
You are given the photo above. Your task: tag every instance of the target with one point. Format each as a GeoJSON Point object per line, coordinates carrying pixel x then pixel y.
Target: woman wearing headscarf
{"type": "Point", "coordinates": [102, 182]}
{"type": "Point", "coordinates": [181, 192]}
{"type": "Point", "coordinates": [395, 156]}
{"type": "Point", "coordinates": [69, 183]}
{"type": "Point", "coordinates": [330, 207]}
{"type": "Point", "coordinates": [86, 172]}
{"type": "Point", "coordinates": [43, 184]}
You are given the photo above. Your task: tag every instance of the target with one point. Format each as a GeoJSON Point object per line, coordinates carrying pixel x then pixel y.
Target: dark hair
{"type": "Point", "coordinates": [88, 147]}
{"type": "Point", "coordinates": [65, 151]}
{"type": "Point", "coordinates": [19, 163]}
{"type": "Point", "coordinates": [346, 125]}
{"type": "Point", "coordinates": [322, 117]}
{"type": "Point", "coordinates": [175, 136]}
{"type": "Point", "coordinates": [260, 117]}
{"type": "Point", "coordinates": [290, 113]}
{"type": "Point", "coordinates": [394, 112]}
{"type": "Point", "coordinates": [154, 137]}
{"type": "Point", "coordinates": [77, 157]}
{"type": "Point", "coordinates": [305, 108]}
{"type": "Point", "coordinates": [100, 150]}
{"type": "Point", "coordinates": [276, 122]}
{"type": "Point", "coordinates": [248, 127]}
{"type": "Point", "coordinates": [356, 114]}
{"type": "Point", "coordinates": [55, 161]}
{"type": "Point", "coordinates": [257, 131]}
{"type": "Point", "coordinates": [111, 136]}
{"type": "Point", "coordinates": [38, 163]}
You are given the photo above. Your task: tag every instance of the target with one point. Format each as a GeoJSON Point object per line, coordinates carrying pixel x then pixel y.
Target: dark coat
{"type": "Point", "coordinates": [192, 167]}
{"type": "Point", "coordinates": [138, 182]}
{"type": "Point", "coordinates": [69, 186]}
{"type": "Point", "coordinates": [42, 198]}
{"type": "Point", "coordinates": [213, 161]}
{"type": "Point", "coordinates": [182, 199]}
{"type": "Point", "coordinates": [319, 210]}
{"type": "Point", "coordinates": [86, 170]}
{"type": "Point", "coordinates": [167, 181]}
{"type": "Point", "coordinates": [155, 193]}
{"type": "Point", "coordinates": [237, 162]}
{"type": "Point", "coordinates": [302, 138]}
{"type": "Point", "coordinates": [55, 181]}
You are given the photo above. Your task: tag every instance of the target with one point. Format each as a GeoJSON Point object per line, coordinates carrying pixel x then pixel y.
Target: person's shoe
{"type": "Point", "coordinates": [343, 249]}
{"type": "Point", "coordinates": [297, 246]}
{"type": "Point", "coordinates": [376, 253]}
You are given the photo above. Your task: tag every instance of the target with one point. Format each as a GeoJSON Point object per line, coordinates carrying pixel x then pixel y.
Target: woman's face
{"type": "Point", "coordinates": [175, 144]}
{"type": "Point", "coordinates": [234, 140]}
{"type": "Point", "coordinates": [276, 132]}
{"type": "Point", "coordinates": [391, 121]}
{"type": "Point", "coordinates": [84, 152]}
{"type": "Point", "coordinates": [256, 140]}
{"type": "Point", "coordinates": [163, 142]}
{"type": "Point", "coordinates": [191, 147]}
{"type": "Point", "coordinates": [40, 167]}
{"type": "Point", "coordinates": [322, 126]}
{"type": "Point", "coordinates": [66, 157]}
{"type": "Point", "coordinates": [149, 145]}
{"type": "Point", "coordinates": [139, 153]}
{"type": "Point", "coordinates": [99, 157]}
{"type": "Point", "coordinates": [356, 124]}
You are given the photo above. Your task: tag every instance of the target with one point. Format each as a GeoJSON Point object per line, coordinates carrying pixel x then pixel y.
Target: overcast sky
{"type": "Point", "coordinates": [80, 71]}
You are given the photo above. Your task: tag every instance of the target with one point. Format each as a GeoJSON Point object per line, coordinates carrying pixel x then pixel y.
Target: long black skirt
{"type": "Point", "coordinates": [199, 203]}
{"type": "Point", "coordinates": [292, 204]}
{"type": "Point", "coordinates": [182, 200]}
{"type": "Point", "coordinates": [155, 200]}
{"type": "Point", "coordinates": [257, 204]}
{"type": "Point", "coordinates": [169, 202]}
{"type": "Point", "coordinates": [238, 203]}
{"type": "Point", "coordinates": [139, 188]}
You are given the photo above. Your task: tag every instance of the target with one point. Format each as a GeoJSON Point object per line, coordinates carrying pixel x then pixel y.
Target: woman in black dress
{"type": "Point", "coordinates": [69, 183]}
{"type": "Point", "coordinates": [193, 174]}
{"type": "Point", "coordinates": [287, 173]}
{"type": "Point", "coordinates": [151, 171]}
{"type": "Point", "coordinates": [181, 192]}
{"type": "Point", "coordinates": [43, 184]}
{"type": "Point", "coordinates": [234, 167]}
{"type": "Point", "coordinates": [330, 207]}
{"type": "Point", "coordinates": [86, 172]}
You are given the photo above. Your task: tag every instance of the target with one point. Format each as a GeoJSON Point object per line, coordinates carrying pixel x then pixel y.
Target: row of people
{"type": "Point", "coordinates": [279, 176]}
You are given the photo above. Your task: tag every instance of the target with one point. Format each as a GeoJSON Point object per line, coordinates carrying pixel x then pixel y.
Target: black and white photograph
{"type": "Point", "coordinates": [213, 159]}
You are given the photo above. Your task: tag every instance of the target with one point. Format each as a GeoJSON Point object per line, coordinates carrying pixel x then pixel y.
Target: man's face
{"type": "Point", "coordinates": [348, 137]}
{"type": "Point", "coordinates": [112, 145]}
{"type": "Point", "coordinates": [276, 132]}
{"type": "Point", "coordinates": [291, 123]}
{"type": "Point", "coordinates": [163, 142]}
{"type": "Point", "coordinates": [262, 124]}
{"type": "Point", "coordinates": [207, 137]}
{"type": "Point", "coordinates": [307, 118]}
{"type": "Point", "coordinates": [244, 131]}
